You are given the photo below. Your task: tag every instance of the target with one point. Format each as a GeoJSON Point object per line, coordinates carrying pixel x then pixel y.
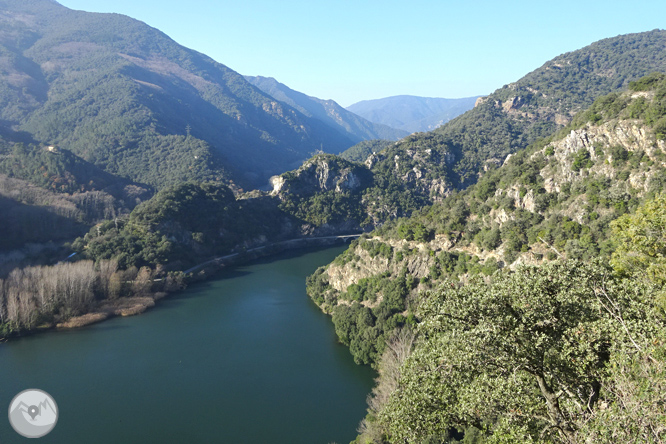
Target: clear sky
{"type": "Point", "coordinates": [353, 50]}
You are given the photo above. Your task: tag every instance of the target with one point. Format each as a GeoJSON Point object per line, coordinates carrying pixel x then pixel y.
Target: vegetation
{"type": "Point", "coordinates": [564, 350]}
{"type": "Point", "coordinates": [526, 358]}
{"type": "Point", "coordinates": [131, 101]}
{"type": "Point", "coordinates": [425, 168]}
{"type": "Point", "coordinates": [181, 225]}
{"type": "Point", "coordinates": [511, 207]}
{"type": "Point", "coordinates": [43, 296]}
{"type": "Point", "coordinates": [641, 245]}
{"type": "Point", "coordinates": [360, 152]}
{"type": "Point", "coordinates": [55, 169]}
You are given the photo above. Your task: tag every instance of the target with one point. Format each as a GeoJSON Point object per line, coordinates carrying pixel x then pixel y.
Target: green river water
{"type": "Point", "coordinates": [243, 358]}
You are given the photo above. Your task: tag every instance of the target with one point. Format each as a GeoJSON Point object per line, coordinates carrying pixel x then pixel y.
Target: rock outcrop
{"type": "Point", "coordinates": [319, 174]}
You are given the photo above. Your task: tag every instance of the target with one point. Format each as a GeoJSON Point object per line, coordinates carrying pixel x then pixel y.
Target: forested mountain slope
{"type": "Point", "coordinates": [347, 123]}
{"type": "Point", "coordinates": [593, 192]}
{"type": "Point", "coordinates": [426, 167]}
{"type": "Point", "coordinates": [546, 99]}
{"type": "Point", "coordinates": [127, 98]}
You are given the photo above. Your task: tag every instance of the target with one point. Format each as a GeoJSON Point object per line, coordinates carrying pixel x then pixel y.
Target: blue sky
{"type": "Point", "coordinates": [353, 50]}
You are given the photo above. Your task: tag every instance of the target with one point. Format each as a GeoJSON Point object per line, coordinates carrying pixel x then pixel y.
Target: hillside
{"type": "Point", "coordinates": [347, 123]}
{"type": "Point", "coordinates": [556, 200]}
{"type": "Point", "coordinates": [130, 100]}
{"type": "Point", "coordinates": [546, 99]}
{"type": "Point", "coordinates": [51, 195]}
{"type": "Point", "coordinates": [362, 150]}
{"type": "Point", "coordinates": [412, 113]}
{"type": "Point", "coordinates": [427, 167]}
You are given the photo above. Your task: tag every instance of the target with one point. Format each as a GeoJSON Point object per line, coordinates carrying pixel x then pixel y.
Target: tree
{"type": "Point", "coordinates": [523, 358]}
{"type": "Point", "coordinates": [641, 239]}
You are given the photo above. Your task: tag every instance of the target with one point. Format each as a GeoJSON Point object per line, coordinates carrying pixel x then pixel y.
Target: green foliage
{"type": "Point", "coordinates": [648, 83]}
{"type": "Point", "coordinates": [183, 223]}
{"type": "Point", "coordinates": [650, 107]}
{"type": "Point", "coordinates": [414, 232]}
{"type": "Point", "coordinates": [582, 160]}
{"type": "Point", "coordinates": [641, 241]}
{"type": "Point", "coordinates": [57, 169]}
{"type": "Point", "coordinates": [368, 313]}
{"type": "Point", "coordinates": [562, 86]}
{"type": "Point", "coordinates": [328, 207]}
{"type": "Point", "coordinates": [375, 248]}
{"type": "Point", "coordinates": [360, 152]}
{"type": "Point", "coordinates": [133, 102]}
{"type": "Point", "coordinates": [529, 350]}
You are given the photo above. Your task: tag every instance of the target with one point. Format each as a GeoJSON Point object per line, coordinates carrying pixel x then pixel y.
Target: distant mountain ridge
{"type": "Point", "coordinates": [328, 111]}
{"type": "Point", "coordinates": [425, 168]}
{"type": "Point", "coordinates": [412, 113]}
{"type": "Point", "coordinates": [127, 98]}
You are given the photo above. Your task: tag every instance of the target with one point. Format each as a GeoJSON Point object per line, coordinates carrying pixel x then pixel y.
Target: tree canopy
{"type": "Point", "coordinates": [524, 358]}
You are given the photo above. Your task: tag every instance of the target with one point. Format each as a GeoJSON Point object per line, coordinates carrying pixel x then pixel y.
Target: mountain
{"type": "Point", "coordinates": [130, 100]}
{"type": "Point", "coordinates": [362, 150]}
{"type": "Point", "coordinates": [567, 197]}
{"type": "Point", "coordinates": [424, 168]}
{"type": "Point", "coordinates": [545, 100]}
{"type": "Point", "coordinates": [429, 166]}
{"type": "Point", "coordinates": [329, 112]}
{"type": "Point", "coordinates": [412, 113]}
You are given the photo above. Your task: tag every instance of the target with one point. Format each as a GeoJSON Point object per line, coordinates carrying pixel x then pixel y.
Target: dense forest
{"type": "Point", "coordinates": [185, 224]}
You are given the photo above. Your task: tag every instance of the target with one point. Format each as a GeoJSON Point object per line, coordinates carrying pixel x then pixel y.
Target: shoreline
{"type": "Point", "coordinates": [215, 264]}
{"type": "Point", "coordinates": [135, 305]}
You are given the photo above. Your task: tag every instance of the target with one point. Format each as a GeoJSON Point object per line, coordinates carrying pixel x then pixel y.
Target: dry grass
{"type": "Point", "coordinates": [128, 306]}
{"type": "Point", "coordinates": [120, 307]}
{"type": "Point", "coordinates": [81, 321]}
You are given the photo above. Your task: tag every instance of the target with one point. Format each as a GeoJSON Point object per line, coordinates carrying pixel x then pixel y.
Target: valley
{"type": "Point", "coordinates": [506, 278]}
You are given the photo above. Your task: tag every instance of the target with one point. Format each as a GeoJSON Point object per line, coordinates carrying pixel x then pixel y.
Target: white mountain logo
{"type": "Point", "coordinates": [33, 413]}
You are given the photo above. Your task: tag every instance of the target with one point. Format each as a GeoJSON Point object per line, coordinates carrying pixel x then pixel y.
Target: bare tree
{"type": "Point", "coordinates": [106, 270]}
{"type": "Point", "coordinates": [398, 348]}
{"type": "Point", "coordinates": [143, 282]}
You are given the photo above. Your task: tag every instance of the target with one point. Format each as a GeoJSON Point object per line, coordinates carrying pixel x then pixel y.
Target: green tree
{"type": "Point", "coordinates": [641, 239]}
{"type": "Point", "coordinates": [523, 358]}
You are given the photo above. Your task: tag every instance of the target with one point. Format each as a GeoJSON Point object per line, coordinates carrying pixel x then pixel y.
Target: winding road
{"type": "Point", "coordinates": [300, 239]}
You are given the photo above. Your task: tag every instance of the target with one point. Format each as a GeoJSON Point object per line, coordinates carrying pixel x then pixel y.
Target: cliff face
{"type": "Point", "coordinates": [584, 178]}
{"type": "Point", "coordinates": [364, 264]}
{"type": "Point", "coordinates": [599, 142]}
{"type": "Point", "coordinates": [420, 167]}
{"type": "Point", "coordinates": [320, 174]}
{"type": "Point", "coordinates": [593, 152]}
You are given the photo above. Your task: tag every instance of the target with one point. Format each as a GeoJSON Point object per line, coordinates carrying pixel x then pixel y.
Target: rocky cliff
{"type": "Point", "coordinates": [554, 200]}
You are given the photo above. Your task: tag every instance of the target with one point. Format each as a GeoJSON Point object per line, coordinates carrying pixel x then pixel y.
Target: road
{"type": "Point", "coordinates": [230, 256]}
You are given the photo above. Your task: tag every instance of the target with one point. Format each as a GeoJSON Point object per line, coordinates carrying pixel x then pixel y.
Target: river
{"type": "Point", "coordinates": [243, 358]}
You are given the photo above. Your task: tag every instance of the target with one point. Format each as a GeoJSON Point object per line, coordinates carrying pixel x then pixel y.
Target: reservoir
{"type": "Point", "coordinates": [243, 358]}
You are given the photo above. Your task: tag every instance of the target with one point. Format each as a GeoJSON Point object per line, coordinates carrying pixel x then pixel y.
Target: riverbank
{"type": "Point", "coordinates": [202, 361]}
{"type": "Point", "coordinates": [212, 266]}
{"type": "Point", "coordinates": [128, 306]}
{"type": "Point", "coordinates": [137, 304]}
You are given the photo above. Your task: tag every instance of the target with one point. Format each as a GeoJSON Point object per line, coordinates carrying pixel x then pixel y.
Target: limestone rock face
{"type": "Point", "coordinates": [416, 166]}
{"type": "Point", "coordinates": [599, 141]}
{"type": "Point", "coordinates": [319, 174]}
